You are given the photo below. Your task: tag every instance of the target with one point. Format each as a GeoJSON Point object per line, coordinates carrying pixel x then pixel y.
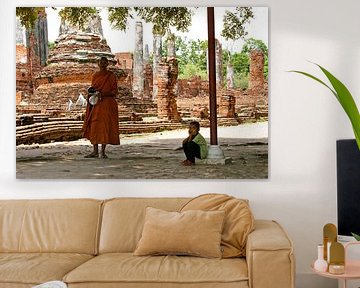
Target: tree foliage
{"type": "Point", "coordinates": [163, 18]}
{"type": "Point", "coordinates": [28, 15]}
{"type": "Point", "coordinates": [191, 55]}
{"type": "Point", "coordinates": [118, 17]}
{"type": "Point", "coordinates": [253, 44]}
{"type": "Point", "coordinates": [77, 16]}
{"type": "Point", "coordinates": [235, 23]}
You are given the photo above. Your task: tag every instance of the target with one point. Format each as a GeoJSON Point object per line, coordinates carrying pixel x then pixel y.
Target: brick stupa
{"type": "Point", "coordinates": [71, 64]}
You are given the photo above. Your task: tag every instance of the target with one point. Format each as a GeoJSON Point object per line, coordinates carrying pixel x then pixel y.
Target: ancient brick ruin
{"type": "Point", "coordinates": [166, 99]}
{"type": "Point", "coordinates": [46, 100]}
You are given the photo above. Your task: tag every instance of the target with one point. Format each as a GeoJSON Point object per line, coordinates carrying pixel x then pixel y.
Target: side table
{"type": "Point", "coordinates": [352, 268]}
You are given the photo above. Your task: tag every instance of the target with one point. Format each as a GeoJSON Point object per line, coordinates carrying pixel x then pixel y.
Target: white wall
{"type": "Point", "coordinates": [305, 121]}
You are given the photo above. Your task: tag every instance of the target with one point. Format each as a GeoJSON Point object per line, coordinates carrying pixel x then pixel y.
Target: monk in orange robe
{"type": "Point", "coordinates": [101, 125]}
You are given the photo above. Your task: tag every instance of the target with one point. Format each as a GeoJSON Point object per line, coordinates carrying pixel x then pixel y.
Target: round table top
{"type": "Point", "coordinates": [352, 271]}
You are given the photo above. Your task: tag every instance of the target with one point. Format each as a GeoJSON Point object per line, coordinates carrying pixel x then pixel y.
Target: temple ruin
{"type": "Point", "coordinates": [151, 97]}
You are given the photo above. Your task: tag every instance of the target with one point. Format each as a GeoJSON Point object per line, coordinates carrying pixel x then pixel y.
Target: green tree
{"type": "Point", "coordinates": [77, 16]}
{"type": "Point", "coordinates": [28, 15]}
{"type": "Point", "coordinates": [252, 44]}
{"type": "Point", "coordinates": [235, 22]}
{"type": "Point", "coordinates": [191, 56]}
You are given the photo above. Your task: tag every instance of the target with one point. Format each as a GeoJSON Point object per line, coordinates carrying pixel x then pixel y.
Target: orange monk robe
{"type": "Point", "coordinates": [101, 124]}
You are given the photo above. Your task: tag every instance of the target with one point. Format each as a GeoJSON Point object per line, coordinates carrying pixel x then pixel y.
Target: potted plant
{"type": "Point", "coordinates": [346, 100]}
{"type": "Point", "coordinates": [344, 97]}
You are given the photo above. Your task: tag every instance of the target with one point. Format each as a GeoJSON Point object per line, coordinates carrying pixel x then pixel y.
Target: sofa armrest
{"type": "Point", "coordinates": [269, 256]}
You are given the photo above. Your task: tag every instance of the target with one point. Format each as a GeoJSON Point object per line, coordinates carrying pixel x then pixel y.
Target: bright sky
{"type": "Point", "coordinates": [125, 41]}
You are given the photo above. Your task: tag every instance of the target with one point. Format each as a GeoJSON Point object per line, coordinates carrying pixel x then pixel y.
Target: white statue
{"type": "Point", "coordinates": [70, 105]}
{"type": "Point", "coordinates": [81, 101]}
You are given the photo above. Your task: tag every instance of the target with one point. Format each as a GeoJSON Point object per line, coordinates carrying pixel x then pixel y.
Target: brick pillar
{"type": "Point", "coordinates": [227, 104]}
{"type": "Point", "coordinates": [173, 89]}
{"type": "Point", "coordinates": [161, 79]}
{"type": "Point", "coordinates": [148, 81]}
{"type": "Point", "coordinates": [148, 74]}
{"type": "Point", "coordinates": [138, 70]}
{"type": "Point", "coordinates": [230, 76]}
{"type": "Point", "coordinates": [256, 76]}
{"type": "Point", "coordinates": [166, 99]}
{"type": "Point", "coordinates": [157, 58]}
{"type": "Point", "coordinates": [218, 63]}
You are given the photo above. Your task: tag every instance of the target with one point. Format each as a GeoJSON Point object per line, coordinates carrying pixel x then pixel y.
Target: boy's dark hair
{"type": "Point", "coordinates": [196, 124]}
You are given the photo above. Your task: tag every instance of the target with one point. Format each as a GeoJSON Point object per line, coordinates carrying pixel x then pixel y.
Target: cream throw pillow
{"type": "Point", "coordinates": [193, 232]}
{"type": "Point", "coordinates": [238, 223]}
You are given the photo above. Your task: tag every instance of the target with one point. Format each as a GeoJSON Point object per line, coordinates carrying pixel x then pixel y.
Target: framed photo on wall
{"type": "Point", "coordinates": [142, 93]}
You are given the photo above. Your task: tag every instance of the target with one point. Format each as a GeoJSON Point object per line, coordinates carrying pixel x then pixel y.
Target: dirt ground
{"type": "Point", "coordinates": [148, 156]}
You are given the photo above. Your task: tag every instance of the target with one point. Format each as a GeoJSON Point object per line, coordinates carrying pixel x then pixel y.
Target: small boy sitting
{"type": "Point", "coordinates": [195, 145]}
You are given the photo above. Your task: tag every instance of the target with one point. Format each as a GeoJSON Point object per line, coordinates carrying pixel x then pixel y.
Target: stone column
{"type": "Point", "coordinates": [230, 76]}
{"type": "Point", "coordinates": [157, 43]}
{"type": "Point", "coordinates": [146, 54]}
{"type": "Point", "coordinates": [171, 47]}
{"type": "Point", "coordinates": [256, 76]}
{"type": "Point", "coordinates": [37, 46]}
{"type": "Point", "coordinates": [138, 70]}
{"type": "Point", "coordinates": [218, 63]}
{"type": "Point", "coordinates": [40, 41]}
{"type": "Point", "coordinates": [19, 33]}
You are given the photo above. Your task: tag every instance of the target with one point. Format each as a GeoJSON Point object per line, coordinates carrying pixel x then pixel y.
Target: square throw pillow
{"type": "Point", "coordinates": [238, 223]}
{"type": "Point", "coordinates": [193, 232]}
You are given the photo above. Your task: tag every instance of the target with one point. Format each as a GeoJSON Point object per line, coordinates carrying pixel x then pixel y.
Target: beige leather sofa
{"type": "Point", "coordinates": [90, 243]}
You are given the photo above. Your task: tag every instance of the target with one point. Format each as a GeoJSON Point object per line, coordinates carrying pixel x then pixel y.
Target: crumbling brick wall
{"type": "Point", "coordinates": [166, 95]}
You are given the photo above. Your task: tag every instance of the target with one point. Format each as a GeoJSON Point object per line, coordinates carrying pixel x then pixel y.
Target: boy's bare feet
{"type": "Point", "coordinates": [187, 163]}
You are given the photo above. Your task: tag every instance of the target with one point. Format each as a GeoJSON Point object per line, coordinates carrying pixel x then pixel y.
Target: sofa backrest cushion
{"type": "Point", "coordinates": [239, 220]}
{"type": "Point", "coordinates": [123, 221]}
{"type": "Point", "coordinates": [62, 225]}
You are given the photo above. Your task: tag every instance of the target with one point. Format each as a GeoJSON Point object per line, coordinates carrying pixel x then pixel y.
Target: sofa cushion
{"type": "Point", "coordinates": [239, 220]}
{"type": "Point", "coordinates": [36, 268]}
{"type": "Point", "coordinates": [63, 226]}
{"type": "Point", "coordinates": [192, 232]}
{"type": "Point", "coordinates": [123, 220]}
{"type": "Point", "coordinates": [125, 268]}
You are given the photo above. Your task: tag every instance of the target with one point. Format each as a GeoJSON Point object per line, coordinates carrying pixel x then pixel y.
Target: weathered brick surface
{"type": "Point", "coordinates": [166, 95]}
{"type": "Point", "coordinates": [227, 104]}
{"type": "Point", "coordinates": [194, 87]}
{"type": "Point", "coordinates": [23, 79]}
{"type": "Point", "coordinates": [71, 65]}
{"type": "Point", "coordinates": [124, 60]}
{"type": "Point", "coordinates": [21, 53]}
{"type": "Point", "coordinates": [256, 76]}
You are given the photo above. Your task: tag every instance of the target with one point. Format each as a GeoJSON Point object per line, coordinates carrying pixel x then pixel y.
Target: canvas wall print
{"type": "Point", "coordinates": [142, 93]}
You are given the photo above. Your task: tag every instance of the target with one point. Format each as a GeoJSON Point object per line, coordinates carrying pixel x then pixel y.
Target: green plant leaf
{"type": "Point", "coordinates": [344, 97]}
{"type": "Point", "coordinates": [356, 236]}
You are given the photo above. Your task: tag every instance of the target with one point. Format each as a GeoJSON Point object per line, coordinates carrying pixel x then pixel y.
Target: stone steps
{"type": "Point", "coordinates": [67, 130]}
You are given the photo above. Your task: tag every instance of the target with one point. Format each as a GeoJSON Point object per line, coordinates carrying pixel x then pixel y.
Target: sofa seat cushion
{"type": "Point", "coordinates": [36, 268]}
{"type": "Point", "coordinates": [144, 270]}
